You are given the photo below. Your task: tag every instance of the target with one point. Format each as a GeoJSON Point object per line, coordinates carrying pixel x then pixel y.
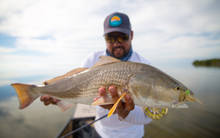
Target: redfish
{"type": "Point", "coordinates": [149, 87]}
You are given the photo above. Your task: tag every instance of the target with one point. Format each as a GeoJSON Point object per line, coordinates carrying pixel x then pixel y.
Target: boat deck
{"type": "Point", "coordinates": [83, 114]}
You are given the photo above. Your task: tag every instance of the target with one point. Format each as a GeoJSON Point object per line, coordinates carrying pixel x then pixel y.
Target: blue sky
{"type": "Point", "coordinates": [50, 37]}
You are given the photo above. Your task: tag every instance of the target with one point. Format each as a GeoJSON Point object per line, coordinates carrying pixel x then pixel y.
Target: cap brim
{"type": "Point", "coordinates": [122, 30]}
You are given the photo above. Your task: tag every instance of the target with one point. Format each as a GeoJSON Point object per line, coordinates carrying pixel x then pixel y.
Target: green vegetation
{"type": "Point", "coordinates": [207, 63]}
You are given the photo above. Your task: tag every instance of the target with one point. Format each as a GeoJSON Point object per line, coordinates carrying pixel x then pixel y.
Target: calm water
{"type": "Point", "coordinates": [196, 121]}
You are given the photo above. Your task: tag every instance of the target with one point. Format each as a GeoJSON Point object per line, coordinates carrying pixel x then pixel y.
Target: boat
{"type": "Point", "coordinates": [83, 115]}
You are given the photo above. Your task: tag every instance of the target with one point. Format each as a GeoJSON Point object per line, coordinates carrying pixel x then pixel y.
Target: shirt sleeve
{"type": "Point", "coordinates": [137, 117]}
{"type": "Point", "coordinates": [88, 62]}
{"type": "Point", "coordinates": [92, 59]}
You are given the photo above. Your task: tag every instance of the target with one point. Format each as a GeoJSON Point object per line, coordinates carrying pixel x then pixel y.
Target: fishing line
{"type": "Point", "coordinates": [78, 129]}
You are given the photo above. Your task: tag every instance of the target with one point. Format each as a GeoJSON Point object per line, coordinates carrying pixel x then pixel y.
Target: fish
{"type": "Point", "coordinates": [148, 86]}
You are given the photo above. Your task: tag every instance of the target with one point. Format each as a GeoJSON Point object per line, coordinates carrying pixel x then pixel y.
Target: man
{"type": "Point", "coordinates": [129, 119]}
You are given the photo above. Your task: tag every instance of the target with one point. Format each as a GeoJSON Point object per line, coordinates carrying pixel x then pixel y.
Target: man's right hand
{"type": "Point", "coordinates": [124, 107]}
{"type": "Point", "coordinates": [47, 100]}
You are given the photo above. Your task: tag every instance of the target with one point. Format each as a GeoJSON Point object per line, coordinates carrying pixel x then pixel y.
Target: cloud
{"type": "Point", "coordinates": [177, 17]}
{"type": "Point", "coordinates": [60, 34]}
{"type": "Point", "coordinates": [170, 30]}
{"type": "Point", "coordinates": [52, 17]}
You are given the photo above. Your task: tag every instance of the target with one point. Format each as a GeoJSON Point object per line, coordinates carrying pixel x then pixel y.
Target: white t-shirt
{"type": "Point", "coordinates": [130, 127]}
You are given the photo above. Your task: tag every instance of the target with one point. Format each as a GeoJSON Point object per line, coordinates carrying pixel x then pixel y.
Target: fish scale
{"type": "Point", "coordinates": [94, 78]}
{"type": "Point", "coordinates": [147, 85]}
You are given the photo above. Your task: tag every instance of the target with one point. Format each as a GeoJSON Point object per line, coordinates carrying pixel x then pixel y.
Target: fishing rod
{"type": "Point", "coordinates": [78, 129]}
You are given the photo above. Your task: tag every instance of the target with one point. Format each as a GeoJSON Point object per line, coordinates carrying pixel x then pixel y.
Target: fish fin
{"type": "Point", "coordinates": [25, 94]}
{"type": "Point", "coordinates": [112, 110]}
{"type": "Point", "coordinates": [155, 113]}
{"type": "Point", "coordinates": [105, 60]}
{"type": "Point", "coordinates": [68, 74]}
{"type": "Point", "coordinates": [64, 105]}
{"type": "Point", "coordinates": [102, 101]}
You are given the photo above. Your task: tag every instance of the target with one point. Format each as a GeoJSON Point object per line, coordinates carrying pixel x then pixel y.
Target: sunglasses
{"type": "Point", "coordinates": [113, 38]}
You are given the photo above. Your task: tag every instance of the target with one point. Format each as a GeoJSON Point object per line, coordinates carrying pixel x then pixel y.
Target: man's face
{"type": "Point", "coordinates": [118, 44]}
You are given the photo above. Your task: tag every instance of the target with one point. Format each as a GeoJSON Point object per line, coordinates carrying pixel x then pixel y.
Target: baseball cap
{"type": "Point", "coordinates": [117, 22]}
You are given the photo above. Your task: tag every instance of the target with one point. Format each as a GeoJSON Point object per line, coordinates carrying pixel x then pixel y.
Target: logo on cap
{"type": "Point", "coordinates": [115, 21]}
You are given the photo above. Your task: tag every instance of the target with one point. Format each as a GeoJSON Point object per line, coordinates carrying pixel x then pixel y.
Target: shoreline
{"type": "Point", "coordinates": [215, 62]}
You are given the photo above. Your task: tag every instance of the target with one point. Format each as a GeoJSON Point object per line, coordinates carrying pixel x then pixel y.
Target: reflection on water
{"type": "Point", "coordinates": [196, 121]}
{"type": "Point", "coordinates": [35, 121]}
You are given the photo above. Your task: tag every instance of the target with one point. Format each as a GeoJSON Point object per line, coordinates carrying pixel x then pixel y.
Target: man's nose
{"type": "Point", "coordinates": [116, 43]}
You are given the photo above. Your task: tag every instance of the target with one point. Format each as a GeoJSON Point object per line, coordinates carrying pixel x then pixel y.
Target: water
{"type": "Point", "coordinates": [199, 120]}
{"type": "Point", "coordinates": [36, 121]}
{"type": "Point", "coordinates": [196, 121]}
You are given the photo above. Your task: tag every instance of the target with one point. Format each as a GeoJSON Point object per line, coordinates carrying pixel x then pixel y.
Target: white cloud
{"type": "Point", "coordinates": [60, 34]}
{"type": "Point", "coordinates": [53, 17]}
{"type": "Point", "coordinates": [177, 17]}
{"type": "Point", "coordinates": [6, 50]}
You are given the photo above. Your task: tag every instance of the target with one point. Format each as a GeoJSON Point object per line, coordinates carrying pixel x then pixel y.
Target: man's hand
{"type": "Point", "coordinates": [48, 100]}
{"type": "Point", "coordinates": [123, 108]}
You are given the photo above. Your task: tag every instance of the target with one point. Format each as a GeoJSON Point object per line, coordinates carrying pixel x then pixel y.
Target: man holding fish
{"type": "Point", "coordinates": [129, 119]}
{"type": "Point", "coordinates": [107, 74]}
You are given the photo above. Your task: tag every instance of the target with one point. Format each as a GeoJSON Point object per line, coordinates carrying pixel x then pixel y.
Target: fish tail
{"type": "Point", "coordinates": [25, 94]}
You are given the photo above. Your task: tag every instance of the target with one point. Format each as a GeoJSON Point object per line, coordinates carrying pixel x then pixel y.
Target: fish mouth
{"type": "Point", "coordinates": [190, 98]}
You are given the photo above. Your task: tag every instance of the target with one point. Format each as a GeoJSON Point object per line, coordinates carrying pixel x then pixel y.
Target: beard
{"type": "Point", "coordinates": [119, 52]}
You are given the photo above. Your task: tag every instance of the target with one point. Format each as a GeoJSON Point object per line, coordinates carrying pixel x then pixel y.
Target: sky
{"type": "Point", "coordinates": [51, 37]}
